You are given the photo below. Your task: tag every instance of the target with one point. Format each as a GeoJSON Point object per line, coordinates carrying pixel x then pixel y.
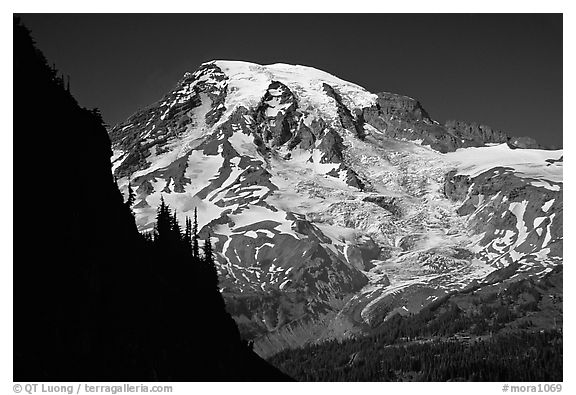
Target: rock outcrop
{"type": "Point", "coordinates": [475, 133]}
{"type": "Point", "coordinates": [404, 118]}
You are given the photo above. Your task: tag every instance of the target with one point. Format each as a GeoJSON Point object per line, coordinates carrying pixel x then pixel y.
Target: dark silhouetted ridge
{"type": "Point", "coordinates": [93, 299]}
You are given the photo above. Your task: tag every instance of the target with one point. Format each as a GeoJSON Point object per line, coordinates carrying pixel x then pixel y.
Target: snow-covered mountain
{"type": "Point", "coordinates": [332, 208]}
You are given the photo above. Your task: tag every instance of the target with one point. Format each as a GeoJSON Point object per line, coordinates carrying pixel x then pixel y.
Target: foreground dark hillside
{"type": "Point", "coordinates": [92, 299]}
{"type": "Point", "coordinates": [500, 332]}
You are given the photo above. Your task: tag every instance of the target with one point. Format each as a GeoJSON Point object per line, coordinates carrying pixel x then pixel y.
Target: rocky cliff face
{"type": "Point", "coordinates": [331, 208]}
{"type": "Point", "coordinates": [524, 142]}
{"type": "Point", "coordinates": [402, 108]}
{"type": "Point", "coordinates": [404, 118]}
{"type": "Point", "coordinates": [479, 134]}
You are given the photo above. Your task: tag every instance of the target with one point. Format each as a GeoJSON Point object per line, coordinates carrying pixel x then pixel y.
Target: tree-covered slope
{"type": "Point", "coordinates": [93, 300]}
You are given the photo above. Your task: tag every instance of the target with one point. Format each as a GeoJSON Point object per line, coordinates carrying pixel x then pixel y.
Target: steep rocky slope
{"type": "Point", "coordinates": [332, 208]}
{"type": "Point", "coordinates": [92, 300]}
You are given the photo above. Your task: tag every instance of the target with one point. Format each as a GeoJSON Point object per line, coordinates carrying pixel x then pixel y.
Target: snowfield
{"type": "Point", "coordinates": [249, 82]}
{"type": "Point", "coordinates": [527, 163]}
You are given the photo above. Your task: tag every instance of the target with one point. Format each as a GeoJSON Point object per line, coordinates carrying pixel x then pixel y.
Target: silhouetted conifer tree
{"type": "Point", "coordinates": [208, 254]}
{"type": "Point", "coordinates": [195, 248]}
{"type": "Point", "coordinates": [163, 222]}
{"type": "Point", "coordinates": [95, 111]}
{"type": "Point", "coordinates": [188, 235]}
{"type": "Point", "coordinates": [131, 196]}
{"type": "Point", "coordinates": [175, 231]}
{"type": "Point", "coordinates": [209, 262]}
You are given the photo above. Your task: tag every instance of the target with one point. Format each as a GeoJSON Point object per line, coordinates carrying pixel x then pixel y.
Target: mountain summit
{"type": "Point", "coordinates": [332, 208]}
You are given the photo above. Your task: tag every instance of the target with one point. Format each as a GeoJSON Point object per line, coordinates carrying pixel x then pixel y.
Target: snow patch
{"type": "Point", "coordinates": [546, 206]}
{"type": "Point", "coordinates": [527, 163]}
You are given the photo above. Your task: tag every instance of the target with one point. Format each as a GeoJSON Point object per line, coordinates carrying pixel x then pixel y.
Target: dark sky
{"type": "Point", "coordinates": [501, 70]}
